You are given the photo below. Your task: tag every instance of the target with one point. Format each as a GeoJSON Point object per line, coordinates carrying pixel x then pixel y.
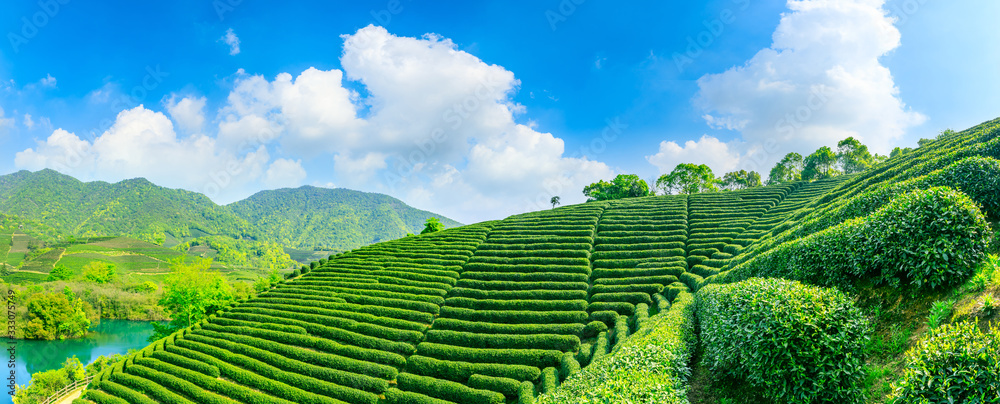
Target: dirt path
{"type": "Point", "coordinates": [75, 394]}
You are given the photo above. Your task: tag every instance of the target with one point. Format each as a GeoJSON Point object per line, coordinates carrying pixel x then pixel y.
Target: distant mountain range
{"type": "Point", "coordinates": [52, 206]}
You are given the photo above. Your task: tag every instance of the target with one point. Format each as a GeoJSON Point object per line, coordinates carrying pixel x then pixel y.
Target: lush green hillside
{"type": "Point", "coordinates": [53, 207]}
{"type": "Point", "coordinates": [333, 219]}
{"type": "Point", "coordinates": [601, 303]}
{"type": "Point", "coordinates": [60, 205]}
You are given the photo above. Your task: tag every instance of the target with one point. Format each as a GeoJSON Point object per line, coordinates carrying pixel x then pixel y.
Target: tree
{"type": "Point", "coordinates": [55, 316]}
{"type": "Point", "coordinates": [47, 383]}
{"type": "Point", "coordinates": [787, 170]}
{"type": "Point", "coordinates": [820, 164]}
{"type": "Point", "coordinates": [554, 201]}
{"type": "Point", "coordinates": [853, 156]}
{"type": "Point", "coordinates": [100, 272]}
{"type": "Point", "coordinates": [432, 225]}
{"type": "Point", "coordinates": [191, 293]}
{"type": "Point", "coordinates": [623, 186]}
{"type": "Point", "coordinates": [59, 273]}
{"type": "Point", "coordinates": [688, 179]}
{"type": "Point", "coordinates": [740, 179]}
{"type": "Point", "coordinates": [899, 152]}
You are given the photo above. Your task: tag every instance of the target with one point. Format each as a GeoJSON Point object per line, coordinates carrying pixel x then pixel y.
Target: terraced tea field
{"type": "Point", "coordinates": [503, 311]}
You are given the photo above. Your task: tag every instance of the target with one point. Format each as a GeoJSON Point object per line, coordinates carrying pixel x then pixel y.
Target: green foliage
{"type": "Point", "coordinates": [688, 179]}
{"type": "Point", "coordinates": [100, 272]}
{"type": "Point", "coordinates": [741, 180]}
{"type": "Point", "coordinates": [432, 225]}
{"type": "Point", "coordinates": [853, 156]}
{"type": "Point", "coordinates": [53, 205]}
{"type": "Point", "coordinates": [44, 384]}
{"type": "Point", "coordinates": [190, 294]}
{"type": "Point", "coordinates": [623, 186]}
{"type": "Point", "coordinates": [789, 169]}
{"type": "Point", "coordinates": [55, 316]}
{"type": "Point", "coordinates": [792, 342]}
{"type": "Point", "coordinates": [244, 252]}
{"type": "Point", "coordinates": [956, 363]}
{"type": "Point", "coordinates": [934, 237]}
{"type": "Point", "coordinates": [649, 367]}
{"type": "Point", "coordinates": [59, 273]}
{"type": "Point", "coordinates": [336, 219]}
{"type": "Point", "coordinates": [940, 313]}
{"type": "Point", "coordinates": [820, 165]}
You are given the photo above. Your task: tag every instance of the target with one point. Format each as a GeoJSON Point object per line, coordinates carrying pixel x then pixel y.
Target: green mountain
{"type": "Point", "coordinates": [839, 290]}
{"type": "Point", "coordinates": [57, 205]}
{"type": "Point", "coordinates": [52, 207]}
{"type": "Point", "coordinates": [336, 219]}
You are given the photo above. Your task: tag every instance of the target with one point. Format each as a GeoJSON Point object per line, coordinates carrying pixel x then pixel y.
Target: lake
{"type": "Point", "coordinates": [108, 337]}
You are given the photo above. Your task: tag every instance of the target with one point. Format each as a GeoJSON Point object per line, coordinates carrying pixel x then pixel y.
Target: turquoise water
{"type": "Point", "coordinates": [108, 337]}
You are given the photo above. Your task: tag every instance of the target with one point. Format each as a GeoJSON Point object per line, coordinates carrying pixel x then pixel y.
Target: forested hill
{"type": "Point", "coordinates": [52, 205]}
{"type": "Point", "coordinates": [56, 204]}
{"type": "Point", "coordinates": [339, 219]}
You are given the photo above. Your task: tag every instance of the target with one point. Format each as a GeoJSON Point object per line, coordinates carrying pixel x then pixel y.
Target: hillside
{"type": "Point", "coordinates": [59, 205]}
{"type": "Point", "coordinates": [337, 219]}
{"type": "Point", "coordinates": [53, 206]}
{"type": "Point", "coordinates": [598, 302]}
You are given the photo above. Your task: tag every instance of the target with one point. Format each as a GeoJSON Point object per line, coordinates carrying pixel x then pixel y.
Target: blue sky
{"type": "Point", "coordinates": [529, 98]}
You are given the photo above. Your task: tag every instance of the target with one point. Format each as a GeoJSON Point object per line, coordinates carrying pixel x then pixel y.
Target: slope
{"type": "Point", "coordinates": [576, 304]}
{"type": "Point", "coordinates": [335, 219]}
{"type": "Point", "coordinates": [53, 206]}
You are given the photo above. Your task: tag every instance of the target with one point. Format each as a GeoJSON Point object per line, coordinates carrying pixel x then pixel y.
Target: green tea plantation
{"type": "Point", "coordinates": [627, 301]}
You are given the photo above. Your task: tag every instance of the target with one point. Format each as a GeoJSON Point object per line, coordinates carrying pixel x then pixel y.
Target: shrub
{"type": "Point", "coordinates": [550, 380]}
{"type": "Point", "coordinates": [569, 366]}
{"type": "Point", "coordinates": [101, 397]}
{"type": "Point", "coordinates": [526, 305]}
{"type": "Point", "coordinates": [260, 376]}
{"type": "Point", "coordinates": [461, 371]}
{"type": "Point", "coordinates": [448, 390]}
{"type": "Point", "coordinates": [492, 328]}
{"type": "Point", "coordinates": [607, 317]}
{"type": "Point", "coordinates": [792, 342]}
{"type": "Point", "coordinates": [153, 390]}
{"type": "Point", "coordinates": [957, 363]}
{"type": "Point", "coordinates": [940, 313]}
{"type": "Point", "coordinates": [593, 328]}
{"type": "Point", "coordinates": [623, 308]}
{"type": "Point", "coordinates": [395, 396]}
{"type": "Point", "coordinates": [514, 317]}
{"type": "Point", "coordinates": [508, 387]}
{"type": "Point", "coordinates": [648, 367]}
{"type": "Point", "coordinates": [186, 363]}
{"type": "Point", "coordinates": [529, 357]}
{"type": "Point", "coordinates": [504, 341]}
{"type": "Point", "coordinates": [341, 383]}
{"type": "Point", "coordinates": [933, 237]}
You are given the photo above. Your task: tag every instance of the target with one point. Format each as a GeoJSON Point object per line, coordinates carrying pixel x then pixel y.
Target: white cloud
{"type": "Point", "coordinates": [820, 82]}
{"type": "Point", "coordinates": [439, 122]}
{"type": "Point", "coordinates": [436, 127]}
{"type": "Point", "coordinates": [28, 122]}
{"type": "Point", "coordinates": [188, 112]}
{"type": "Point", "coordinates": [233, 41]}
{"type": "Point", "coordinates": [48, 81]}
{"type": "Point", "coordinates": [721, 157]}
{"type": "Point", "coordinates": [142, 143]}
{"type": "Point", "coordinates": [284, 173]}
{"type": "Point", "coordinates": [5, 123]}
